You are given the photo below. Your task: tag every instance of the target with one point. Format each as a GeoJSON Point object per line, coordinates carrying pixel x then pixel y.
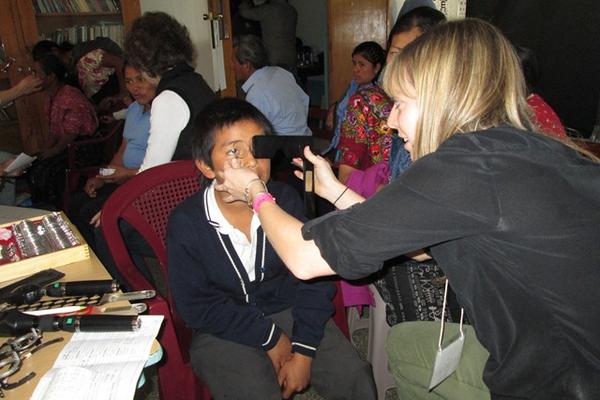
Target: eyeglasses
{"type": "Point", "coordinates": [14, 352]}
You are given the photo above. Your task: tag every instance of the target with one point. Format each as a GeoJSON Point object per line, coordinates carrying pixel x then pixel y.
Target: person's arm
{"type": "Point", "coordinates": [302, 257]}
{"type": "Point", "coordinates": [169, 115]}
{"type": "Point", "coordinates": [424, 207]}
{"type": "Point", "coordinates": [121, 173]}
{"type": "Point", "coordinates": [27, 85]}
{"type": "Point", "coordinates": [58, 146]}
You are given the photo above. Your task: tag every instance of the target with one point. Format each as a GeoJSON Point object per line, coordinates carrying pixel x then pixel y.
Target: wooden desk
{"type": "Point", "coordinates": [43, 360]}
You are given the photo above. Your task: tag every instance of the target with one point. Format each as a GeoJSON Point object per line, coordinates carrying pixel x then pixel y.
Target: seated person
{"type": "Point", "coordinates": [414, 19]}
{"type": "Point", "coordinates": [159, 46]}
{"type": "Point", "coordinates": [70, 115]}
{"type": "Point", "coordinates": [272, 90]}
{"type": "Point", "coordinates": [125, 162]}
{"type": "Point", "coordinates": [96, 65]}
{"type": "Point", "coordinates": [544, 116]}
{"type": "Point", "coordinates": [365, 139]}
{"type": "Point", "coordinates": [258, 331]}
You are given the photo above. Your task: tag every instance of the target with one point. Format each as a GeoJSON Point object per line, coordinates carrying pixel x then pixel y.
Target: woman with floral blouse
{"type": "Point", "coordinates": [365, 138]}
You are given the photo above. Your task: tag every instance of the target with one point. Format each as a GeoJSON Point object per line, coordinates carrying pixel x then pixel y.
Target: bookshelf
{"type": "Point", "coordinates": [25, 22]}
{"type": "Point", "coordinates": [78, 21]}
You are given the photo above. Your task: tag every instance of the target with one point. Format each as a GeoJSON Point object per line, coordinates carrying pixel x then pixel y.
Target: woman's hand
{"type": "Point", "coordinates": [92, 185]}
{"type": "Point", "coordinates": [235, 180]}
{"type": "Point", "coordinates": [120, 175]}
{"type": "Point", "coordinates": [327, 185]}
{"type": "Point", "coordinates": [28, 85]}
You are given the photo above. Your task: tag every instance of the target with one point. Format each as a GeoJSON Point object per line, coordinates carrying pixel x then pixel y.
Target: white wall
{"type": "Point", "coordinates": [312, 23]}
{"type": "Point", "coordinates": [452, 8]}
{"type": "Point", "coordinates": [189, 13]}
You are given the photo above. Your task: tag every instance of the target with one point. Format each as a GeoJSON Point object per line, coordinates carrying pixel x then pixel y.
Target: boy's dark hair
{"type": "Point", "coordinates": [51, 64]}
{"type": "Point", "coordinates": [422, 17]}
{"type": "Point", "coordinates": [157, 42]}
{"type": "Point", "coordinates": [220, 114]}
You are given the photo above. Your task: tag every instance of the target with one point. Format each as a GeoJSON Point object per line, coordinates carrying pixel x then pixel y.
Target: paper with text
{"type": "Point", "coordinates": [100, 366]}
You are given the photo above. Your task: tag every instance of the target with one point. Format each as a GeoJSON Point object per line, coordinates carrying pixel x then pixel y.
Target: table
{"type": "Point", "coordinates": [43, 360]}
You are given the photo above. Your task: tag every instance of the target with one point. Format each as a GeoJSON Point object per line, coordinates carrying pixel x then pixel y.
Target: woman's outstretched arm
{"type": "Point", "coordinates": [302, 257]}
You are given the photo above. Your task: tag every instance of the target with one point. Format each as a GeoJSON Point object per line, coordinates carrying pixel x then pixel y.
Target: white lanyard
{"type": "Point", "coordinates": [447, 359]}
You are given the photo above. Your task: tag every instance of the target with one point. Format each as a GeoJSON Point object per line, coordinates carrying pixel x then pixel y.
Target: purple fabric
{"type": "Point", "coordinates": [364, 183]}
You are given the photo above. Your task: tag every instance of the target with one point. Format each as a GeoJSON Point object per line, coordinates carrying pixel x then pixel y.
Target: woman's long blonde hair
{"type": "Point", "coordinates": [465, 77]}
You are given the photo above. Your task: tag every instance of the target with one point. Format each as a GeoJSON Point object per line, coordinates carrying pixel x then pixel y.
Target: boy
{"type": "Point", "coordinates": [259, 333]}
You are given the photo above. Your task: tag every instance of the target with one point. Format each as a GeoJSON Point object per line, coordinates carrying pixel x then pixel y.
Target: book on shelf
{"type": "Point", "coordinates": [82, 33]}
{"type": "Point", "coordinates": [76, 6]}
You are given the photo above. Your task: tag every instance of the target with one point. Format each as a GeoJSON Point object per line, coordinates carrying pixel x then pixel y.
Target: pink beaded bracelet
{"type": "Point", "coordinates": [261, 198]}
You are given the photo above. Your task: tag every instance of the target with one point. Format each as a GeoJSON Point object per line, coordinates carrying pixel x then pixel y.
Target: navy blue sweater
{"type": "Point", "coordinates": [212, 291]}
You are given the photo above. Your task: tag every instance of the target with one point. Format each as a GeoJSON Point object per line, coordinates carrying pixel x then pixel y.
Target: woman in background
{"type": "Point", "coordinates": [365, 139]}
{"type": "Point", "coordinates": [70, 115]}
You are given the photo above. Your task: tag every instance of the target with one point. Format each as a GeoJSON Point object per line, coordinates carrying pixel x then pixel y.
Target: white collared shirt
{"type": "Point", "coordinates": [245, 250]}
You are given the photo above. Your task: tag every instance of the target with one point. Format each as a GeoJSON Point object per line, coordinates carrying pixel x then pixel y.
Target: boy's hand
{"type": "Point", "coordinates": [294, 375]}
{"type": "Point", "coordinates": [281, 353]}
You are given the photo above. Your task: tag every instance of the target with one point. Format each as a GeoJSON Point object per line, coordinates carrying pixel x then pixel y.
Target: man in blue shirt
{"type": "Point", "coordinates": [272, 90]}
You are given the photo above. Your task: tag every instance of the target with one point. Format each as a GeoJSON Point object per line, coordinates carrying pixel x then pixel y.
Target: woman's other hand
{"type": "Point", "coordinates": [327, 185]}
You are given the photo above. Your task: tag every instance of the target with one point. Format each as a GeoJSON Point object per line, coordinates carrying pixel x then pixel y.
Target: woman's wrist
{"type": "Point", "coordinates": [260, 199]}
{"type": "Point", "coordinates": [334, 192]}
{"type": "Point", "coordinates": [254, 188]}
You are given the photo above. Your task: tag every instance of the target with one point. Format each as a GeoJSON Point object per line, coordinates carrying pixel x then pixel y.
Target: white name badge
{"type": "Point", "coordinates": [447, 359]}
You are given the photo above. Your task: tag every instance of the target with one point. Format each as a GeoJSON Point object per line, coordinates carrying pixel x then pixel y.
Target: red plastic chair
{"type": "Point", "coordinates": [145, 202]}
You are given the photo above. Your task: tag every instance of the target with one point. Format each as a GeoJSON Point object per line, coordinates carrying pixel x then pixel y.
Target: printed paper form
{"type": "Point", "coordinates": [100, 366]}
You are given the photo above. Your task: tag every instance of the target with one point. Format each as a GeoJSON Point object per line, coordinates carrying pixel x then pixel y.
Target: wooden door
{"type": "Point", "coordinates": [351, 22]}
{"type": "Point", "coordinates": [18, 31]}
{"type": "Point", "coordinates": [222, 10]}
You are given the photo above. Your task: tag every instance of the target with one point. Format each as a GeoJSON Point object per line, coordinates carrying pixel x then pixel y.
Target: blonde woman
{"type": "Point", "coordinates": [509, 214]}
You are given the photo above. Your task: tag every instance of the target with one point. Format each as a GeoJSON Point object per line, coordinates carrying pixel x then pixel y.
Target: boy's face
{"type": "Point", "coordinates": [232, 142]}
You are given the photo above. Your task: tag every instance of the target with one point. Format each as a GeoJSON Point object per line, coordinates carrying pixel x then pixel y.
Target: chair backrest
{"type": "Point", "coordinates": [95, 150]}
{"type": "Point", "coordinates": [145, 202]}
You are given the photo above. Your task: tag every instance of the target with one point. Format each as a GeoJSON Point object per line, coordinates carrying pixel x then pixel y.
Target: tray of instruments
{"type": "Point", "coordinates": [31, 245]}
